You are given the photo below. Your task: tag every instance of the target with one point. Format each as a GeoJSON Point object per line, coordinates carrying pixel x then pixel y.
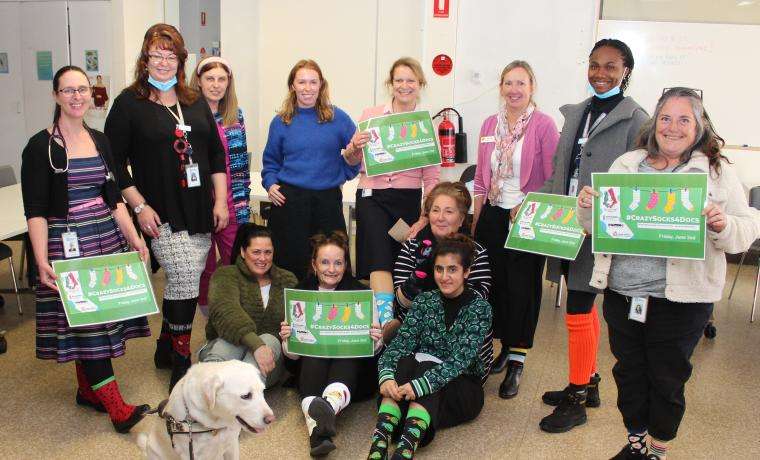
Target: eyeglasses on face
{"type": "Point", "coordinates": [158, 58]}
{"type": "Point", "coordinates": [69, 91]}
{"type": "Point", "coordinates": [697, 92]}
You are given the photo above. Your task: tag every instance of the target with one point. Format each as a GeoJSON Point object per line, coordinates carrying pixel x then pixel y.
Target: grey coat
{"type": "Point", "coordinates": [615, 135]}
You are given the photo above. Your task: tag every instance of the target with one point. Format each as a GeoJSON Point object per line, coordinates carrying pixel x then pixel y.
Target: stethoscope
{"type": "Point", "coordinates": [56, 134]}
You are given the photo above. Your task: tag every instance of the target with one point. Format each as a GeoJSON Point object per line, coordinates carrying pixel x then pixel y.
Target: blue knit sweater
{"type": "Point", "coordinates": [306, 153]}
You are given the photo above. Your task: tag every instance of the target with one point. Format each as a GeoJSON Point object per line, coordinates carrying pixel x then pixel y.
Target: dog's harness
{"type": "Point", "coordinates": [187, 427]}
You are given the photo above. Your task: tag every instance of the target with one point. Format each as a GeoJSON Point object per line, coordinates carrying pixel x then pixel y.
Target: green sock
{"type": "Point", "coordinates": [387, 421]}
{"type": "Point", "coordinates": [415, 425]}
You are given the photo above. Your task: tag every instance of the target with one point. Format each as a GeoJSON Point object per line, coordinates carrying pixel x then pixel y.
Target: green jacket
{"type": "Point", "coordinates": [235, 309]}
{"type": "Point", "coordinates": [424, 331]}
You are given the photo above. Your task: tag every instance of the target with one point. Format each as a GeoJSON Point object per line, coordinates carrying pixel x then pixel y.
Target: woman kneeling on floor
{"type": "Point", "coordinates": [431, 373]}
{"type": "Point", "coordinates": [246, 305]}
{"type": "Point", "coordinates": [327, 385]}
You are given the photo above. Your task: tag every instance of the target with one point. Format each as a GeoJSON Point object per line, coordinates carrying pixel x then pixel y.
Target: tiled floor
{"type": "Point", "coordinates": [38, 417]}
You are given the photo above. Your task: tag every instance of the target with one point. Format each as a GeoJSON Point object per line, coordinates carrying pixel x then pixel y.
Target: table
{"type": "Point", "coordinates": [12, 219]}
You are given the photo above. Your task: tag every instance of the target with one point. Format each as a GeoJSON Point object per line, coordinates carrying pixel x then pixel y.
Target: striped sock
{"type": "Point", "coordinates": [637, 442]}
{"type": "Point", "coordinates": [658, 449]}
{"type": "Point", "coordinates": [517, 354]}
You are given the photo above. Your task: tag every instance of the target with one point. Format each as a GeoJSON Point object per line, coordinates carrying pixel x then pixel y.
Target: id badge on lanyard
{"type": "Point", "coordinates": [70, 244]}
{"type": "Point", "coordinates": [638, 311]}
{"type": "Point", "coordinates": [572, 190]}
{"type": "Point", "coordinates": [190, 169]}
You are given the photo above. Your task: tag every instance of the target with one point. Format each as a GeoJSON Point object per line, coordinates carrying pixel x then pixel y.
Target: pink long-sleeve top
{"type": "Point", "coordinates": [413, 178]}
{"type": "Point", "coordinates": [539, 144]}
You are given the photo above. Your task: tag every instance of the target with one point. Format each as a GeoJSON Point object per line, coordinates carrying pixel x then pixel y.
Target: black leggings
{"type": "Point", "coordinates": [355, 373]}
{"type": "Point", "coordinates": [179, 315]}
{"type": "Point", "coordinates": [578, 302]}
{"type": "Point", "coordinates": [97, 370]}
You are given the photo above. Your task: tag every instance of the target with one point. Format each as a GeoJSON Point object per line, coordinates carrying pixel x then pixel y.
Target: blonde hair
{"type": "Point", "coordinates": [324, 108]}
{"type": "Point", "coordinates": [228, 105]}
{"type": "Point", "coordinates": [413, 65]}
{"type": "Point", "coordinates": [518, 64]}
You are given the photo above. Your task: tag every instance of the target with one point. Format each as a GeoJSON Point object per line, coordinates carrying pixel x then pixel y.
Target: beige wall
{"type": "Point", "coordinates": [716, 11]}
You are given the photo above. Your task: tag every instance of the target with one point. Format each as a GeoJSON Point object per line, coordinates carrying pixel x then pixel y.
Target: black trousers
{"type": "Point", "coordinates": [517, 281]}
{"type": "Point", "coordinates": [578, 302]}
{"type": "Point", "coordinates": [358, 374]}
{"type": "Point", "coordinates": [304, 214]}
{"type": "Point", "coordinates": [653, 360]}
{"type": "Point", "coordinates": [460, 401]}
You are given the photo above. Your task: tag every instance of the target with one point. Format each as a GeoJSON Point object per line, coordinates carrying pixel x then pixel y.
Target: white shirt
{"type": "Point", "coordinates": [511, 195]}
{"type": "Point", "coordinates": [265, 294]}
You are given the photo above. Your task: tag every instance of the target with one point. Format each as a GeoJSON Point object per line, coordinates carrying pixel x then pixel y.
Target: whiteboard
{"type": "Point", "coordinates": [490, 34]}
{"type": "Point", "coordinates": [719, 59]}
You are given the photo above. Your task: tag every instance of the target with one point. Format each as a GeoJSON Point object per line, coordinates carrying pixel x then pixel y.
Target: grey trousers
{"type": "Point", "coordinates": [221, 350]}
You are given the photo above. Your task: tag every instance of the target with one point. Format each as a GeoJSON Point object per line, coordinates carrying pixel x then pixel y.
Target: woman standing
{"type": "Point", "coordinates": [514, 158]}
{"type": "Point", "coordinates": [327, 385]}
{"type": "Point", "coordinates": [213, 79]}
{"type": "Point", "coordinates": [596, 132]}
{"type": "Point", "coordinates": [305, 165]}
{"type": "Point", "coordinates": [168, 136]}
{"type": "Point", "coordinates": [382, 200]}
{"type": "Point", "coordinates": [69, 185]}
{"type": "Point", "coordinates": [431, 375]}
{"type": "Point", "coordinates": [653, 352]}
{"type": "Point", "coordinates": [246, 305]}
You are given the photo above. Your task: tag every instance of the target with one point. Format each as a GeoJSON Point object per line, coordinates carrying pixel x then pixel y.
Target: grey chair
{"type": "Point", "coordinates": [8, 177]}
{"type": "Point", "coordinates": [754, 201]}
{"type": "Point", "coordinates": [7, 253]}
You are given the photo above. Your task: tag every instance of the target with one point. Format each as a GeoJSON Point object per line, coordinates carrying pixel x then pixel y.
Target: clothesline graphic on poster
{"type": "Point", "coordinates": [546, 225]}
{"type": "Point", "coordinates": [657, 214]}
{"type": "Point", "coordinates": [329, 324]}
{"type": "Point", "coordinates": [399, 142]}
{"type": "Point", "coordinates": [103, 289]}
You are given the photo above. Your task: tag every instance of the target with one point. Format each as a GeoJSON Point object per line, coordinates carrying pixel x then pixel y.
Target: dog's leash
{"type": "Point", "coordinates": [177, 427]}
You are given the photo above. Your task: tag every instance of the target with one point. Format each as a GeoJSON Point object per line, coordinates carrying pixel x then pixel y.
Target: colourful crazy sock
{"type": "Point", "coordinates": [637, 443]}
{"type": "Point", "coordinates": [517, 354]}
{"type": "Point", "coordinates": [338, 395]}
{"type": "Point", "coordinates": [358, 310]}
{"type": "Point", "coordinates": [387, 420]}
{"type": "Point", "coordinates": [658, 449]}
{"type": "Point", "coordinates": [384, 304]}
{"type": "Point", "coordinates": [417, 422]}
{"type": "Point", "coordinates": [109, 395]}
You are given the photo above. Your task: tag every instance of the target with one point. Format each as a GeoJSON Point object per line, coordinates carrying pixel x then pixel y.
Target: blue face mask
{"type": "Point", "coordinates": [163, 85]}
{"type": "Point", "coordinates": [607, 94]}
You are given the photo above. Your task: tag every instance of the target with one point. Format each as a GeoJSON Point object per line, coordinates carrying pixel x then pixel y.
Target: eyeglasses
{"type": "Point", "coordinates": [69, 92]}
{"type": "Point", "coordinates": [158, 58]}
{"type": "Point", "coordinates": [697, 92]}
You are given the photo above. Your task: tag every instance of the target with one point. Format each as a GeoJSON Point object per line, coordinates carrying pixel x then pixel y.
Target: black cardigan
{"type": "Point", "coordinates": [46, 193]}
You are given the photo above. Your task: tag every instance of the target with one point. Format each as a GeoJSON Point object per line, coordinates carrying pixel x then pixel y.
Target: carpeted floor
{"type": "Point", "coordinates": [39, 420]}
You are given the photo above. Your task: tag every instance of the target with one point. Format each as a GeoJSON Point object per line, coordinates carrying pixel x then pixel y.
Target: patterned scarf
{"type": "Point", "coordinates": [506, 140]}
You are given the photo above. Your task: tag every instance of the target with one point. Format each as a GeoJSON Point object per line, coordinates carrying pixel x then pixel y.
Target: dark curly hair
{"type": "Point", "coordinates": [457, 244]}
{"type": "Point", "coordinates": [625, 52]}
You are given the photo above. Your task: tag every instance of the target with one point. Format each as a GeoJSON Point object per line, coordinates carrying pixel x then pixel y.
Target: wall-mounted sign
{"type": "Point", "coordinates": [203, 18]}
{"type": "Point", "coordinates": [440, 8]}
{"type": "Point", "coordinates": [91, 61]}
{"type": "Point", "coordinates": [4, 68]}
{"type": "Point", "coordinates": [442, 64]}
{"type": "Point", "coordinates": [44, 65]}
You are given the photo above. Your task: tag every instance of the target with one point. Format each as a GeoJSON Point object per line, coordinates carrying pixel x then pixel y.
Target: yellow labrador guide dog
{"type": "Point", "coordinates": [205, 412]}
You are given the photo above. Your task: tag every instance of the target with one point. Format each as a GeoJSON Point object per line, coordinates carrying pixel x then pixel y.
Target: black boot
{"type": "Point", "coordinates": [627, 453]}
{"type": "Point", "coordinates": [570, 413]}
{"type": "Point", "coordinates": [162, 358]}
{"type": "Point", "coordinates": [500, 363]}
{"type": "Point", "coordinates": [320, 446]}
{"type": "Point", "coordinates": [554, 398]}
{"type": "Point", "coordinates": [511, 384]}
{"type": "Point", "coordinates": [320, 439]}
{"type": "Point", "coordinates": [180, 365]}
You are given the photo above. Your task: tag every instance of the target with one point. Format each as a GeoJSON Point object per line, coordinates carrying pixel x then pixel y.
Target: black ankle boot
{"type": "Point", "coordinates": [570, 413]}
{"type": "Point", "coordinates": [500, 363]}
{"type": "Point", "coordinates": [180, 365]}
{"type": "Point", "coordinates": [511, 384]}
{"type": "Point", "coordinates": [554, 398]}
{"type": "Point", "coordinates": [320, 446]}
{"type": "Point", "coordinates": [162, 358]}
{"type": "Point", "coordinates": [627, 453]}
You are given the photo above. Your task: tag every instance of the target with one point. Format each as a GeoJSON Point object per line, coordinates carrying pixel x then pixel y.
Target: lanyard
{"type": "Point", "coordinates": [586, 131]}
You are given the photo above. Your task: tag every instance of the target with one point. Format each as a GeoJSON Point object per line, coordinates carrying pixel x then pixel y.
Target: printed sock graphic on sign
{"type": "Point", "coordinates": [546, 213]}
{"type": "Point", "coordinates": [333, 313]}
{"type": "Point", "coordinates": [131, 273]}
{"type": "Point", "coordinates": [358, 310]}
{"type": "Point", "coordinates": [685, 201]}
{"type": "Point", "coordinates": [568, 217]}
{"type": "Point", "coordinates": [654, 198]}
{"type": "Point", "coordinates": [670, 202]}
{"type": "Point", "coordinates": [558, 214]}
{"type": "Point", "coordinates": [391, 133]}
{"type": "Point", "coordinates": [414, 131]}
{"type": "Point", "coordinates": [119, 276]}
{"type": "Point", "coordinates": [106, 276]}
{"type": "Point", "coordinates": [422, 127]}
{"type": "Point", "coordinates": [613, 196]}
{"type": "Point", "coordinates": [93, 278]}
{"type": "Point", "coordinates": [317, 313]}
{"type": "Point", "coordinates": [71, 282]}
{"type": "Point", "coordinates": [610, 215]}
{"type": "Point", "coordinates": [403, 132]}
{"type": "Point", "coordinates": [636, 200]}
{"type": "Point", "coordinates": [374, 137]}
{"type": "Point", "coordinates": [346, 314]}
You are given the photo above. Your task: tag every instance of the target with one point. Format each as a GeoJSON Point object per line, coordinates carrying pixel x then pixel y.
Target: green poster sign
{"type": "Point", "coordinates": [657, 214]}
{"type": "Point", "coordinates": [104, 289]}
{"type": "Point", "coordinates": [399, 142]}
{"type": "Point", "coordinates": [329, 324]}
{"type": "Point", "coordinates": [44, 65]}
{"type": "Point", "coordinates": [546, 225]}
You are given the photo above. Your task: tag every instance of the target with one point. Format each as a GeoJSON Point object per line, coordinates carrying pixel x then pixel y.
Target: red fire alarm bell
{"type": "Point", "coordinates": [440, 8]}
{"type": "Point", "coordinates": [442, 64]}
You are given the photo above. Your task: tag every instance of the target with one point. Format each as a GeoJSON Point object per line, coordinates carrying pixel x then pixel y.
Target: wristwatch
{"type": "Point", "coordinates": [138, 209]}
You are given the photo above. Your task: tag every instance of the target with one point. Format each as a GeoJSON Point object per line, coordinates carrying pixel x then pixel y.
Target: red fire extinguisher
{"type": "Point", "coordinates": [453, 144]}
{"type": "Point", "coordinates": [447, 138]}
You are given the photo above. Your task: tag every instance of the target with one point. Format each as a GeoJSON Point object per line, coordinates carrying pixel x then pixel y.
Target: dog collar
{"type": "Point", "coordinates": [187, 427]}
